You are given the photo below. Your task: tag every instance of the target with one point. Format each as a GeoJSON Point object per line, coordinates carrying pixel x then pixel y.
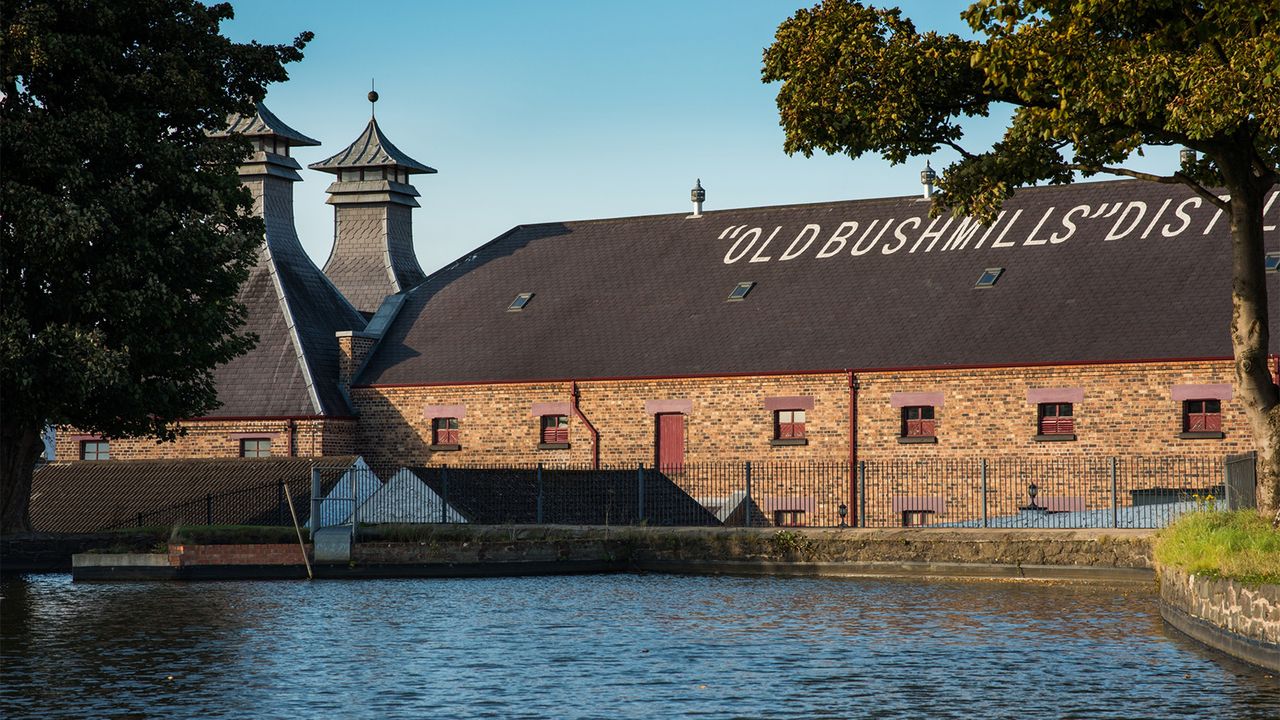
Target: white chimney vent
{"type": "Point", "coordinates": [697, 195]}
{"type": "Point", "coordinates": [927, 178]}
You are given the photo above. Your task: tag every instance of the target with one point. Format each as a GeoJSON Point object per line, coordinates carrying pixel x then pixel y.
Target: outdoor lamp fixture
{"type": "Point", "coordinates": [1032, 490]}
{"type": "Point", "coordinates": [1187, 156]}
{"type": "Point", "coordinates": [844, 513]}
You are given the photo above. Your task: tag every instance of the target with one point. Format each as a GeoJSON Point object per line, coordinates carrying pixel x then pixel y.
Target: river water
{"type": "Point", "coordinates": [606, 646]}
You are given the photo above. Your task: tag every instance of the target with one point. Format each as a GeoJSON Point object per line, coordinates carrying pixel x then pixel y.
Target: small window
{"type": "Point", "coordinates": [917, 421]}
{"type": "Point", "coordinates": [95, 450]}
{"type": "Point", "coordinates": [521, 300]}
{"type": "Point", "coordinates": [255, 447]}
{"type": "Point", "coordinates": [1272, 262]}
{"type": "Point", "coordinates": [1202, 416]}
{"type": "Point", "coordinates": [788, 425]}
{"type": "Point", "coordinates": [788, 518]}
{"type": "Point", "coordinates": [1056, 419]}
{"type": "Point", "coordinates": [989, 277]}
{"type": "Point", "coordinates": [916, 518]}
{"type": "Point", "coordinates": [444, 431]}
{"type": "Point", "coordinates": [348, 175]}
{"type": "Point", "coordinates": [740, 291]}
{"type": "Point", "coordinates": [555, 429]}
{"type": "Point", "coordinates": [372, 173]}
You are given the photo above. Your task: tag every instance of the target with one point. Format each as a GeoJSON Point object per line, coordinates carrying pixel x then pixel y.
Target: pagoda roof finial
{"type": "Point", "coordinates": [370, 149]}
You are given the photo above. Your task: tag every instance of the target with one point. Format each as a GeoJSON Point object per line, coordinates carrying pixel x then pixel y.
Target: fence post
{"type": "Point", "coordinates": [984, 492]}
{"type": "Point", "coordinates": [862, 493]}
{"type": "Point", "coordinates": [313, 522]}
{"type": "Point", "coordinates": [355, 497]}
{"type": "Point", "coordinates": [747, 511]}
{"type": "Point", "coordinates": [1115, 515]}
{"type": "Point", "coordinates": [280, 502]}
{"type": "Point", "coordinates": [208, 509]}
{"type": "Point", "coordinates": [538, 511]}
{"type": "Point", "coordinates": [444, 499]}
{"type": "Point", "coordinates": [640, 488]}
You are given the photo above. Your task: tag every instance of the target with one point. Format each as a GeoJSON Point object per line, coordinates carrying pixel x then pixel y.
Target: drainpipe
{"type": "Point", "coordinates": [853, 447]}
{"type": "Point", "coordinates": [595, 435]}
{"type": "Point", "coordinates": [292, 433]}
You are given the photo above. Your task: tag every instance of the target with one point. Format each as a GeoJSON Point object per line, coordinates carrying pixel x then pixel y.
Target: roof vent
{"type": "Point", "coordinates": [927, 178]}
{"type": "Point", "coordinates": [1272, 262]}
{"type": "Point", "coordinates": [697, 195]}
{"type": "Point", "coordinates": [740, 291]}
{"type": "Point", "coordinates": [518, 304]}
{"type": "Point", "coordinates": [989, 277]}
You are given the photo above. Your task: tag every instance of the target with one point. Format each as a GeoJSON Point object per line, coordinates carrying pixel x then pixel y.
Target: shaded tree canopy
{"type": "Point", "coordinates": [1090, 83]}
{"type": "Point", "coordinates": [126, 232]}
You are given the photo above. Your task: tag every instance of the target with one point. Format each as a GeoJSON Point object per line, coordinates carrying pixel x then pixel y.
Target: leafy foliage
{"type": "Point", "coordinates": [1091, 82]}
{"type": "Point", "coordinates": [126, 232]}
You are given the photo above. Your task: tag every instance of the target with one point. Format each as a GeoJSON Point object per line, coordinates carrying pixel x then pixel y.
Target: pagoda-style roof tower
{"type": "Point", "coordinates": [372, 254]}
{"type": "Point", "coordinates": [292, 307]}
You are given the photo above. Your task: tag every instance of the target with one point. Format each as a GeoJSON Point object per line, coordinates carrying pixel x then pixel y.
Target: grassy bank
{"type": "Point", "coordinates": [1238, 545]}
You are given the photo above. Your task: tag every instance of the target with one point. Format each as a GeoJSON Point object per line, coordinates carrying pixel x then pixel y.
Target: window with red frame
{"type": "Point", "coordinates": [1202, 416]}
{"type": "Point", "coordinates": [788, 518]}
{"type": "Point", "coordinates": [1056, 419]}
{"type": "Point", "coordinates": [444, 431]}
{"type": "Point", "coordinates": [95, 450]}
{"type": "Point", "coordinates": [917, 421]}
{"type": "Point", "coordinates": [555, 429]}
{"type": "Point", "coordinates": [916, 518]}
{"type": "Point", "coordinates": [788, 424]}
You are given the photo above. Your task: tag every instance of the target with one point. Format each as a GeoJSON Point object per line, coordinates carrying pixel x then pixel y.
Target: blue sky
{"type": "Point", "coordinates": [561, 110]}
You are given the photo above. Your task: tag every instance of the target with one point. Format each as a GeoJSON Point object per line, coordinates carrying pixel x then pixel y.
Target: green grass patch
{"type": "Point", "coordinates": [1238, 545]}
{"type": "Point", "coordinates": [234, 535]}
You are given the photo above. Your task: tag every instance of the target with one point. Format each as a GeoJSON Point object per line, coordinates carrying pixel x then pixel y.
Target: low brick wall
{"type": "Point", "coordinates": [276, 554]}
{"type": "Point", "coordinates": [1230, 616]}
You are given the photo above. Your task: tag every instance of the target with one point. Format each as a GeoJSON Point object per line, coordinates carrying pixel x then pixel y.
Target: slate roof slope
{"type": "Point", "coordinates": [370, 149]}
{"type": "Point", "coordinates": [292, 308]}
{"type": "Point", "coordinates": [101, 495]}
{"type": "Point", "coordinates": [646, 296]}
{"type": "Point", "coordinates": [265, 122]}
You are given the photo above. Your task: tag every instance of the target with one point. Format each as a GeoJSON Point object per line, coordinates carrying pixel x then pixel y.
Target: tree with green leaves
{"type": "Point", "coordinates": [1090, 84]}
{"type": "Point", "coordinates": [125, 230]}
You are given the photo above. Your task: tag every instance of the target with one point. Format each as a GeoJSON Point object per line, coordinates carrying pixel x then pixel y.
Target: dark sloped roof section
{"type": "Point", "coordinates": [646, 296]}
{"type": "Point", "coordinates": [265, 122]}
{"type": "Point", "coordinates": [498, 496]}
{"type": "Point", "coordinates": [94, 496]}
{"type": "Point", "coordinates": [370, 149]}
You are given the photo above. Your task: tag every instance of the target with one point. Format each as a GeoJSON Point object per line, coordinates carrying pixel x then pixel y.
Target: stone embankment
{"type": "Point", "coordinates": [1237, 618]}
{"type": "Point", "coordinates": [454, 550]}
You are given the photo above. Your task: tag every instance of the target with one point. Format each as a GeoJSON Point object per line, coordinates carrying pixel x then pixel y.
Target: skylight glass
{"type": "Point", "coordinates": [741, 290]}
{"type": "Point", "coordinates": [989, 277]}
{"type": "Point", "coordinates": [518, 304]}
{"type": "Point", "coordinates": [1273, 262]}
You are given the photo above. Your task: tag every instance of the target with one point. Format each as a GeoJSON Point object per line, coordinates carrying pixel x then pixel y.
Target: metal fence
{"type": "Point", "coordinates": [1077, 492]}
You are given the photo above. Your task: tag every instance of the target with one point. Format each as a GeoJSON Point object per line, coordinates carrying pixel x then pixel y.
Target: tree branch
{"type": "Point", "coordinates": [955, 146]}
{"type": "Point", "coordinates": [1177, 178]}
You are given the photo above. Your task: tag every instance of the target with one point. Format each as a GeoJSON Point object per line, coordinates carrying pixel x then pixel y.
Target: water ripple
{"type": "Point", "coordinates": [606, 646]}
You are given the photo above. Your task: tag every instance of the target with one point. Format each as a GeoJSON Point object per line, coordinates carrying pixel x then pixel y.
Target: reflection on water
{"type": "Point", "coordinates": [606, 646]}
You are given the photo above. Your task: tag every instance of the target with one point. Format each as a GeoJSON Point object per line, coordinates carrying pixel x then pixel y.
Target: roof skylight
{"type": "Point", "coordinates": [518, 304]}
{"type": "Point", "coordinates": [740, 291]}
{"type": "Point", "coordinates": [989, 277]}
{"type": "Point", "coordinates": [1273, 262]}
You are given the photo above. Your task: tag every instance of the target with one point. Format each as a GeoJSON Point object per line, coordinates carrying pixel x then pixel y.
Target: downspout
{"type": "Point", "coordinates": [853, 447]}
{"type": "Point", "coordinates": [293, 435]}
{"type": "Point", "coordinates": [595, 435]}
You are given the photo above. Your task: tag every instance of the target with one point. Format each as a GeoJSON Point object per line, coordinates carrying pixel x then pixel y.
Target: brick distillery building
{"type": "Point", "coordinates": [1085, 320]}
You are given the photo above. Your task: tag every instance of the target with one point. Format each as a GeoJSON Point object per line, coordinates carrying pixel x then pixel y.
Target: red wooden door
{"type": "Point", "coordinates": [671, 442]}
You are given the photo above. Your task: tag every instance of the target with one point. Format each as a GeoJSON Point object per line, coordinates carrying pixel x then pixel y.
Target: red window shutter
{"type": "Point", "coordinates": [927, 428]}
{"type": "Point", "coordinates": [1195, 422]}
{"type": "Point", "coordinates": [1213, 422]}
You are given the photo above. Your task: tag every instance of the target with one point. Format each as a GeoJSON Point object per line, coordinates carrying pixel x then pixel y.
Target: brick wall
{"type": "Point", "coordinates": [265, 554]}
{"type": "Point", "coordinates": [221, 439]}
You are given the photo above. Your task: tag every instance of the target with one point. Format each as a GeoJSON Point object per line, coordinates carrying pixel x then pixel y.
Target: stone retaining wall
{"type": "Point", "coordinates": [1236, 618]}
{"type": "Point", "coordinates": [266, 554]}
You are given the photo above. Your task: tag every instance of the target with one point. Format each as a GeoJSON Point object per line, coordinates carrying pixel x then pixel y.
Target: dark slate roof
{"type": "Point", "coordinates": [265, 122]}
{"type": "Point", "coordinates": [646, 296]}
{"type": "Point", "coordinates": [504, 496]}
{"type": "Point", "coordinates": [88, 496]}
{"type": "Point", "coordinates": [371, 149]}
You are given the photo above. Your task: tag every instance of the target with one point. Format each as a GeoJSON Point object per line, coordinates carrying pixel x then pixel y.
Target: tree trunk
{"type": "Point", "coordinates": [1250, 329]}
{"type": "Point", "coordinates": [19, 448]}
